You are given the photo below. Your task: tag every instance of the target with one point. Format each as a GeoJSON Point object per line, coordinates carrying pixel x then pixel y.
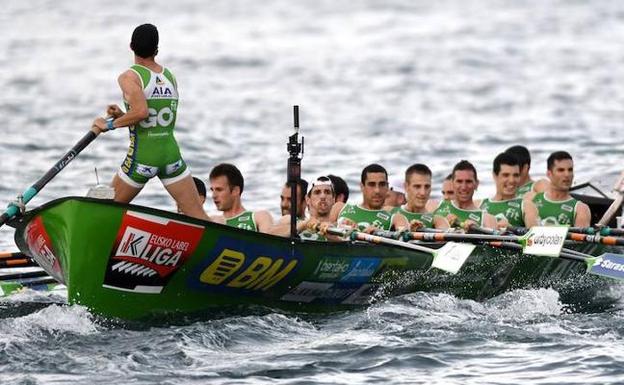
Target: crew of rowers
{"type": "Point", "coordinates": [518, 202]}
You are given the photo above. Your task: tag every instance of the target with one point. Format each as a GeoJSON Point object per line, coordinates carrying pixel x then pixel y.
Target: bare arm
{"type": "Point", "coordinates": [531, 216]}
{"type": "Point", "coordinates": [583, 215]}
{"type": "Point", "coordinates": [541, 185]}
{"type": "Point", "coordinates": [400, 222]}
{"type": "Point", "coordinates": [335, 210]}
{"type": "Point", "coordinates": [440, 222]}
{"type": "Point", "coordinates": [489, 221]}
{"type": "Point", "coordinates": [264, 221]}
{"type": "Point", "coordinates": [132, 90]}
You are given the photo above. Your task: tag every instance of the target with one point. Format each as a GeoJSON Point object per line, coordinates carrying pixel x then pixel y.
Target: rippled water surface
{"type": "Point", "coordinates": [394, 82]}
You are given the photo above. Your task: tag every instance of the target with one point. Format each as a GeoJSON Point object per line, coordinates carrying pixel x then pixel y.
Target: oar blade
{"type": "Point", "coordinates": [608, 265]}
{"type": "Point", "coordinates": [545, 241]}
{"type": "Point", "coordinates": [451, 256]}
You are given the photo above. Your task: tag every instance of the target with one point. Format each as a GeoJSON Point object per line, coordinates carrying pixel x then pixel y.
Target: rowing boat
{"type": "Point", "coordinates": [132, 262]}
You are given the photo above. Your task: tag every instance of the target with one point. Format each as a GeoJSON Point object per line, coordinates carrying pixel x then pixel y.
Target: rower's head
{"type": "Point", "coordinates": [560, 170]}
{"type": "Point", "coordinates": [321, 197]}
{"type": "Point", "coordinates": [340, 188]}
{"type": "Point", "coordinates": [302, 188]}
{"type": "Point", "coordinates": [524, 159]}
{"type": "Point", "coordinates": [374, 186]}
{"type": "Point", "coordinates": [396, 193]}
{"type": "Point", "coordinates": [506, 174]}
{"type": "Point", "coordinates": [201, 190]}
{"type": "Point", "coordinates": [226, 185]}
{"type": "Point", "coordinates": [144, 42]}
{"type": "Point", "coordinates": [418, 185]}
{"type": "Point", "coordinates": [448, 193]}
{"type": "Point", "coordinates": [465, 181]}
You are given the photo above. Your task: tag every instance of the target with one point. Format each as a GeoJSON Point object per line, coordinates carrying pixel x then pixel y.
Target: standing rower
{"type": "Point", "coordinates": [507, 208]}
{"type": "Point", "coordinates": [370, 213]}
{"type": "Point", "coordinates": [462, 210]}
{"type": "Point", "coordinates": [226, 185]}
{"type": "Point", "coordinates": [555, 205]}
{"type": "Point", "coordinates": [150, 92]}
{"type": "Point", "coordinates": [418, 188]}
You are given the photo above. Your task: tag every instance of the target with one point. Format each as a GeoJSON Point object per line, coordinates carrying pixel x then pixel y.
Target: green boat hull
{"type": "Point", "coordinates": [135, 262]}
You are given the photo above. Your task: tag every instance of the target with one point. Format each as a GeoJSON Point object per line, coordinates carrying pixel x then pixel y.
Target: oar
{"type": "Point", "coordinates": [617, 202]}
{"type": "Point", "coordinates": [606, 265]}
{"type": "Point", "coordinates": [605, 231]}
{"type": "Point", "coordinates": [612, 241]}
{"type": "Point", "coordinates": [544, 241]}
{"type": "Point", "coordinates": [12, 254]}
{"type": "Point", "coordinates": [21, 262]}
{"type": "Point", "coordinates": [30, 274]}
{"type": "Point", "coordinates": [13, 209]}
{"type": "Point", "coordinates": [449, 257]}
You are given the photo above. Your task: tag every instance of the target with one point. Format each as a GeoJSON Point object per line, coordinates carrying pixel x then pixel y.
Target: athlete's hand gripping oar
{"type": "Point", "coordinates": [15, 208]}
{"type": "Point", "coordinates": [612, 241]}
{"type": "Point", "coordinates": [449, 257]}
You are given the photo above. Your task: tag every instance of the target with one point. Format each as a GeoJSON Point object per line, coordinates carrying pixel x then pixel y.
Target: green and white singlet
{"type": "Point", "coordinates": [381, 219]}
{"type": "Point", "coordinates": [425, 218]}
{"type": "Point", "coordinates": [448, 207]}
{"type": "Point", "coordinates": [555, 212]}
{"type": "Point", "coordinates": [153, 150]}
{"type": "Point", "coordinates": [510, 209]}
{"type": "Point", "coordinates": [244, 220]}
{"type": "Point", "coordinates": [525, 188]}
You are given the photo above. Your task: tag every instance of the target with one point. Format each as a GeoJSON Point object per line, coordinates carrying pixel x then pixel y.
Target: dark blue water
{"type": "Point", "coordinates": [393, 82]}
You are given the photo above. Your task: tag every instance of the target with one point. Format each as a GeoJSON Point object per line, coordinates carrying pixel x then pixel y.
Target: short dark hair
{"type": "Point", "coordinates": [504, 158]}
{"type": "Point", "coordinates": [557, 155]}
{"type": "Point", "coordinates": [144, 40]}
{"type": "Point", "coordinates": [340, 186]}
{"type": "Point", "coordinates": [372, 168]}
{"type": "Point", "coordinates": [233, 175]}
{"type": "Point", "coordinates": [200, 185]}
{"type": "Point", "coordinates": [417, 168]}
{"type": "Point", "coordinates": [522, 153]}
{"type": "Point", "coordinates": [464, 165]}
{"type": "Point", "coordinates": [449, 177]}
{"type": "Point", "coordinates": [303, 185]}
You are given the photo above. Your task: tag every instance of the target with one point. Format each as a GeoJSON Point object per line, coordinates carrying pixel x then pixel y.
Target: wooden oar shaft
{"type": "Point", "coordinates": [12, 210]}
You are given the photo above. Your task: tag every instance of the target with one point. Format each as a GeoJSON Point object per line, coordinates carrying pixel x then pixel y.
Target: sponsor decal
{"type": "Point", "coordinates": [514, 204]}
{"type": "Point", "coordinates": [331, 269]}
{"type": "Point", "coordinates": [567, 208]}
{"type": "Point", "coordinates": [146, 171]}
{"type": "Point", "coordinates": [546, 241]}
{"type": "Point", "coordinates": [239, 266]}
{"type": "Point", "coordinates": [148, 250]}
{"type": "Point", "coordinates": [361, 296]}
{"type": "Point", "coordinates": [383, 216]}
{"type": "Point", "coordinates": [173, 167]}
{"type": "Point", "coordinates": [160, 91]}
{"type": "Point", "coordinates": [361, 269]}
{"type": "Point", "coordinates": [163, 118]}
{"type": "Point", "coordinates": [40, 246]}
{"type": "Point", "coordinates": [609, 265]}
{"type": "Point", "coordinates": [159, 81]}
{"type": "Point", "coordinates": [324, 292]}
{"type": "Point", "coordinates": [474, 217]}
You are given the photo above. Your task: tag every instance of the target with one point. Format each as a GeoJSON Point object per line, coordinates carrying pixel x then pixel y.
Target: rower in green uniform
{"type": "Point", "coordinates": [462, 210]}
{"type": "Point", "coordinates": [370, 213]}
{"type": "Point", "coordinates": [504, 205]}
{"type": "Point", "coordinates": [150, 92]}
{"type": "Point", "coordinates": [320, 200]}
{"type": "Point", "coordinates": [417, 186]}
{"type": "Point", "coordinates": [226, 185]}
{"type": "Point", "coordinates": [526, 183]}
{"type": "Point", "coordinates": [555, 205]}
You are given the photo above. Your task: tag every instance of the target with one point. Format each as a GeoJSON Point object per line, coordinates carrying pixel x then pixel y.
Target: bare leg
{"type": "Point", "coordinates": [186, 196]}
{"type": "Point", "coordinates": [124, 193]}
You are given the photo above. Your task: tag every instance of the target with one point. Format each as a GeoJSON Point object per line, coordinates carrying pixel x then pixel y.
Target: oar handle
{"type": "Point", "coordinates": [13, 209]}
